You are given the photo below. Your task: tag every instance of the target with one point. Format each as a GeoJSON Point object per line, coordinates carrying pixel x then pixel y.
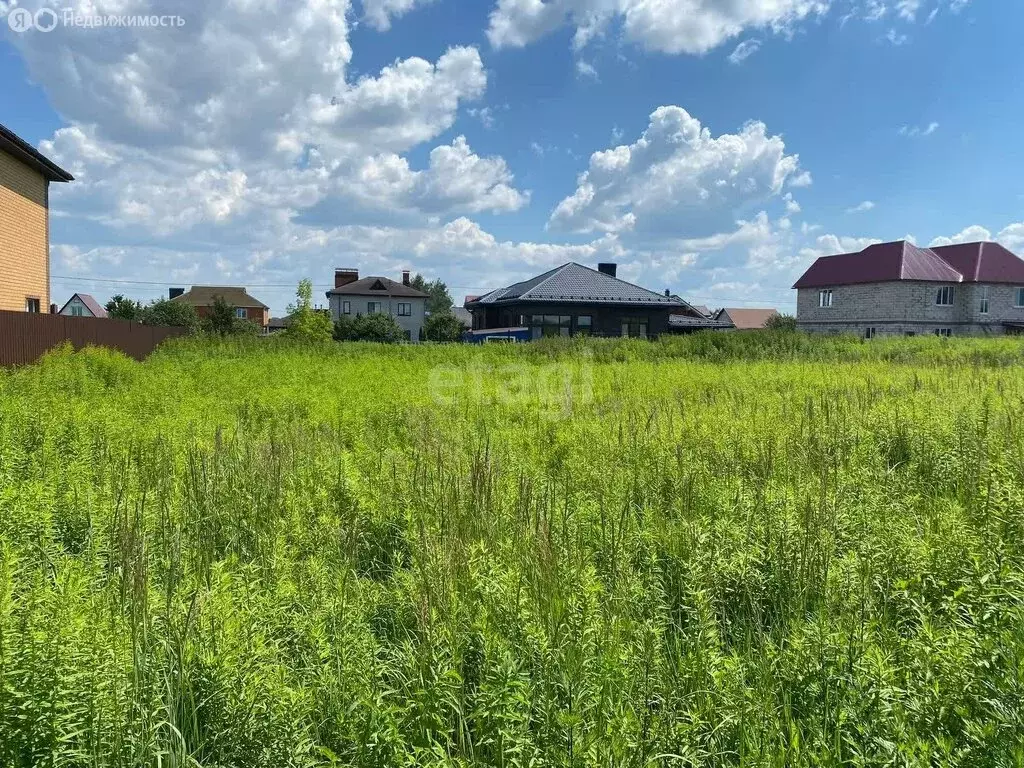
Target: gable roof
{"type": "Point", "coordinates": [574, 282]}
{"type": "Point", "coordinates": [744, 319]}
{"type": "Point", "coordinates": [378, 286]}
{"type": "Point", "coordinates": [205, 296]}
{"type": "Point", "coordinates": [90, 303]}
{"type": "Point", "coordinates": [18, 148]}
{"type": "Point", "coordinates": [900, 260]}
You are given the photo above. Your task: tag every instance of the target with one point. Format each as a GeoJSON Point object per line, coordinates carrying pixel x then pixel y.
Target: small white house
{"type": "Point", "coordinates": [83, 305]}
{"type": "Point", "coordinates": [353, 297]}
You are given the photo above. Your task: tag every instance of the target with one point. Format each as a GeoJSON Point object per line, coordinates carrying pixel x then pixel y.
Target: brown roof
{"type": "Point", "coordinates": [900, 260]}
{"type": "Point", "coordinates": [377, 286]}
{"type": "Point", "coordinates": [747, 319]}
{"type": "Point", "coordinates": [91, 304]}
{"type": "Point", "coordinates": [206, 295]}
{"type": "Point", "coordinates": [17, 147]}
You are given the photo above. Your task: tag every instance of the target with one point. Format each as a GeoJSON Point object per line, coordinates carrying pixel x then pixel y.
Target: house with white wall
{"type": "Point", "coordinates": [352, 297]}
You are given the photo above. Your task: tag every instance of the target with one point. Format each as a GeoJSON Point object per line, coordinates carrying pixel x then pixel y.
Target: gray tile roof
{"type": "Point", "coordinates": [574, 282]}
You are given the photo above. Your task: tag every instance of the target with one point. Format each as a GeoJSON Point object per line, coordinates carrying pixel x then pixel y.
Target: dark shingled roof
{"type": "Point", "coordinates": [17, 147]}
{"type": "Point", "coordinates": [900, 260]}
{"type": "Point", "coordinates": [377, 286]}
{"type": "Point", "coordinates": [573, 282]}
{"type": "Point", "coordinates": [205, 296]}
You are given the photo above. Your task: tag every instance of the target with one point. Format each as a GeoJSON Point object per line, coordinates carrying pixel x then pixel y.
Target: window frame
{"type": "Point", "coordinates": [870, 333]}
{"type": "Point", "coordinates": [983, 301]}
{"type": "Point", "coordinates": [241, 313]}
{"type": "Point", "coordinates": [1019, 298]}
{"type": "Point", "coordinates": [346, 307]}
{"type": "Point", "coordinates": [36, 302]}
{"type": "Point", "coordinates": [375, 307]}
{"type": "Point", "coordinates": [405, 309]}
{"type": "Point", "coordinates": [945, 292]}
{"type": "Point", "coordinates": [825, 298]}
{"type": "Point", "coordinates": [944, 332]}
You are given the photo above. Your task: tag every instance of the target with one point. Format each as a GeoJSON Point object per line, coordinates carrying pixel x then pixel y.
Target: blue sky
{"type": "Point", "coordinates": [714, 147]}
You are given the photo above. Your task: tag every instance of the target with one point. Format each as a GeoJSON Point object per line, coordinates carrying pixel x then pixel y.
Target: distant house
{"type": "Point", "coordinates": [203, 298]}
{"type": "Point", "coordinates": [352, 297]}
{"type": "Point", "coordinates": [25, 177]}
{"type": "Point", "coordinates": [900, 289]}
{"type": "Point", "coordinates": [744, 319]}
{"type": "Point", "coordinates": [83, 305]}
{"type": "Point", "coordinates": [694, 317]}
{"type": "Point", "coordinates": [573, 299]}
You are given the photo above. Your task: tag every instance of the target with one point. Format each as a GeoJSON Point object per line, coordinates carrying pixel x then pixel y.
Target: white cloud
{"type": "Point", "coordinates": [907, 9]}
{"type": "Point", "coordinates": [792, 206]}
{"type": "Point", "coordinates": [744, 50]}
{"type": "Point", "coordinates": [670, 26]}
{"type": "Point", "coordinates": [969, 235]}
{"type": "Point", "coordinates": [867, 205]}
{"type": "Point", "coordinates": [379, 13]}
{"type": "Point", "coordinates": [914, 131]}
{"type": "Point", "coordinates": [585, 69]}
{"type": "Point", "coordinates": [896, 38]}
{"type": "Point", "coordinates": [677, 177]}
{"type": "Point", "coordinates": [802, 179]}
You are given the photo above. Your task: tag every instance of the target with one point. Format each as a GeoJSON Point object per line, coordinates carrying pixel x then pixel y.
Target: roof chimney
{"type": "Point", "coordinates": [173, 293]}
{"type": "Point", "coordinates": [668, 294]}
{"type": "Point", "coordinates": [607, 268]}
{"type": "Point", "coordinates": [405, 277]}
{"type": "Point", "coordinates": [344, 276]}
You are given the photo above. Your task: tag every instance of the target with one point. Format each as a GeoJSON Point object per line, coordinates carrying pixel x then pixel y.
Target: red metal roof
{"type": "Point", "coordinates": [983, 262]}
{"type": "Point", "coordinates": [900, 260]}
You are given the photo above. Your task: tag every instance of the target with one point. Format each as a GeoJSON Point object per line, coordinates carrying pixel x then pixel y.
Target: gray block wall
{"type": "Point", "coordinates": [898, 308]}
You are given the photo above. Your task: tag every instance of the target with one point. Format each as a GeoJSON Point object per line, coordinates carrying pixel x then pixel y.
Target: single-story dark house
{"type": "Point", "coordinates": [576, 300]}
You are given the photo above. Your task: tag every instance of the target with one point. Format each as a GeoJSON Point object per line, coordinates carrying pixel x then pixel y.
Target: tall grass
{"type": "Point", "coordinates": [725, 550]}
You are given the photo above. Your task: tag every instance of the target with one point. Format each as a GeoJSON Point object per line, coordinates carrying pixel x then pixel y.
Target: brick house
{"type": "Point", "coordinates": [203, 297]}
{"type": "Point", "coordinates": [25, 177]}
{"type": "Point", "coordinates": [352, 297]}
{"type": "Point", "coordinates": [576, 300]}
{"type": "Point", "coordinates": [971, 289]}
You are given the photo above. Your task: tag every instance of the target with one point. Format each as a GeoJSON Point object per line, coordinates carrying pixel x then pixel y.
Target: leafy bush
{"type": "Point", "coordinates": [377, 327]}
{"type": "Point", "coordinates": [443, 326]}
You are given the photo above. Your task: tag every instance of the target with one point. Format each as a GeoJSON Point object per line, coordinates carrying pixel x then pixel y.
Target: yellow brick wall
{"type": "Point", "coordinates": [24, 249]}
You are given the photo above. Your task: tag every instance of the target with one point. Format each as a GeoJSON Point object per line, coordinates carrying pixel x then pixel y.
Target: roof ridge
{"type": "Point", "coordinates": [619, 279]}
{"type": "Point", "coordinates": [553, 273]}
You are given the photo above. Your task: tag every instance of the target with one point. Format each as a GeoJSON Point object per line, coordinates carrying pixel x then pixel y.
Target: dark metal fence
{"type": "Point", "coordinates": [25, 337]}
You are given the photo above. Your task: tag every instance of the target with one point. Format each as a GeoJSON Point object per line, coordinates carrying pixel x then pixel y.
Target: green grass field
{"type": "Point", "coordinates": [711, 551]}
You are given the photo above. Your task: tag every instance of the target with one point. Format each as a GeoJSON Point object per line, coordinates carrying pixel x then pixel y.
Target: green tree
{"type": "Point", "coordinates": [173, 313]}
{"type": "Point", "coordinates": [440, 299]}
{"type": "Point", "coordinates": [121, 308]}
{"type": "Point", "coordinates": [221, 320]}
{"type": "Point", "coordinates": [306, 322]}
{"type": "Point", "coordinates": [443, 326]}
{"type": "Point", "coordinates": [781, 323]}
{"type": "Point", "coordinates": [381, 328]}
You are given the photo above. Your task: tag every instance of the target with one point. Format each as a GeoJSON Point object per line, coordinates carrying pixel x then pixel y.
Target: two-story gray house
{"type": "Point", "coordinates": [353, 297]}
{"type": "Point", "coordinates": [971, 289]}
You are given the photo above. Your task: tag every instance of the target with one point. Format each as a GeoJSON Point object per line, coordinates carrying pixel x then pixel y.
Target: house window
{"type": "Point", "coordinates": [825, 298]}
{"type": "Point", "coordinates": [944, 297]}
{"type": "Point", "coordinates": [549, 325]}
{"type": "Point", "coordinates": [947, 332]}
{"type": "Point", "coordinates": [32, 305]}
{"type": "Point", "coordinates": [374, 307]}
{"type": "Point", "coordinates": [583, 324]}
{"type": "Point", "coordinates": [983, 300]}
{"type": "Point", "coordinates": [346, 307]}
{"type": "Point", "coordinates": [77, 311]}
{"type": "Point", "coordinates": [869, 333]}
{"type": "Point", "coordinates": [241, 313]}
{"type": "Point", "coordinates": [1020, 298]}
{"type": "Point", "coordinates": [634, 327]}
{"type": "Point", "coordinates": [404, 310]}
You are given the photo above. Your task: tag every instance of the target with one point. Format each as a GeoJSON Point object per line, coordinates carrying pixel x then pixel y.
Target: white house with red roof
{"type": "Point", "coordinates": [82, 305]}
{"type": "Point", "coordinates": [970, 289]}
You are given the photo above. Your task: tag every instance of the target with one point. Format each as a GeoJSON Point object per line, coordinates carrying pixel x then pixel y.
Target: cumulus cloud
{"type": "Point", "coordinates": [677, 177]}
{"type": "Point", "coordinates": [669, 26]}
{"type": "Point", "coordinates": [971, 234]}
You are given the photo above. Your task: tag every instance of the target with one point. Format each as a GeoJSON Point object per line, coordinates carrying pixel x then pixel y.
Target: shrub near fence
{"type": "Point", "coordinates": [25, 337]}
